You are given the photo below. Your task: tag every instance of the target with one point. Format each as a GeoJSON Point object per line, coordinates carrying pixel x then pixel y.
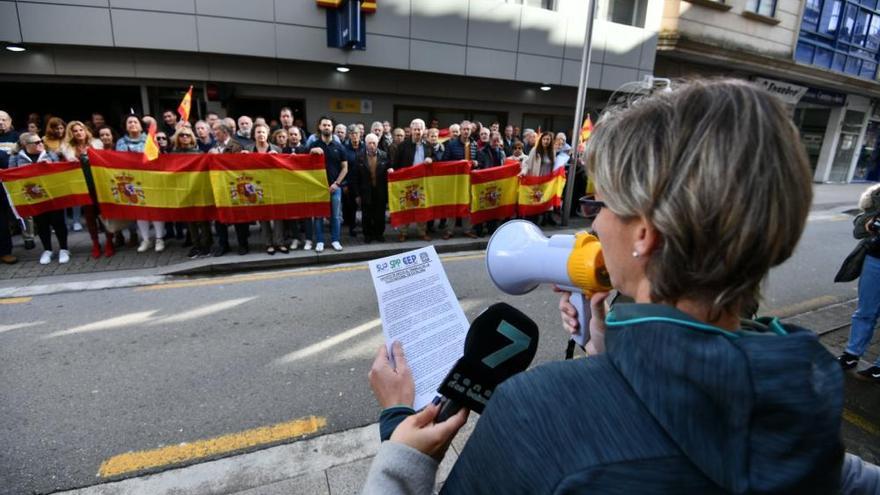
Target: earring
{"type": "Point", "coordinates": [635, 254]}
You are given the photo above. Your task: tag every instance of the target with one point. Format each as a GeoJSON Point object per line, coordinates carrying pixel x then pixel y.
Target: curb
{"type": "Point", "coordinates": [224, 268]}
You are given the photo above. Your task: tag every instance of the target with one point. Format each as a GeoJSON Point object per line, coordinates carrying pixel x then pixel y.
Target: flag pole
{"type": "Point", "coordinates": [586, 56]}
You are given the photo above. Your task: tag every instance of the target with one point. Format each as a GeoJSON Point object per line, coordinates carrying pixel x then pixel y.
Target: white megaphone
{"type": "Point", "coordinates": [520, 257]}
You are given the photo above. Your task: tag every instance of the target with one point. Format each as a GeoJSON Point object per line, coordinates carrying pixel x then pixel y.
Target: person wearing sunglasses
{"type": "Point", "coordinates": [33, 150]}
{"type": "Point", "coordinates": [677, 394]}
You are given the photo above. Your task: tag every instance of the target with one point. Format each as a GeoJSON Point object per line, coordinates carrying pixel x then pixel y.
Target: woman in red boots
{"type": "Point", "coordinates": [77, 141]}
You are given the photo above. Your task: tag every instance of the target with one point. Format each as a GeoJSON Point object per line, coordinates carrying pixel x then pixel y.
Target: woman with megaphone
{"type": "Point", "coordinates": [703, 190]}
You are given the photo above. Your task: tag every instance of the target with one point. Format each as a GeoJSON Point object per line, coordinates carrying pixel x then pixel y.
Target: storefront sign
{"type": "Point", "coordinates": [351, 105]}
{"type": "Point", "coordinates": [790, 93]}
{"type": "Point", "coordinates": [823, 97]}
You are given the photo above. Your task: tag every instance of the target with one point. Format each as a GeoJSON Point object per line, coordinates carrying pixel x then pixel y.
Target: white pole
{"type": "Point", "coordinates": [586, 56]}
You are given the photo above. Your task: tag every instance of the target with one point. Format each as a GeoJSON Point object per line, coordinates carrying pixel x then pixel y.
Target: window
{"type": "Point", "coordinates": [841, 35]}
{"type": "Point", "coordinates": [629, 12]}
{"type": "Point", "coordinates": [764, 7]}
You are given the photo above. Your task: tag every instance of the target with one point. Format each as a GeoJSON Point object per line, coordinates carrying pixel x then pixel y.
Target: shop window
{"type": "Point", "coordinates": [762, 7]}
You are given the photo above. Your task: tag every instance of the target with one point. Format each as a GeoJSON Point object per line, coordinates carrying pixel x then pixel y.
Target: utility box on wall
{"type": "Point", "coordinates": [346, 26]}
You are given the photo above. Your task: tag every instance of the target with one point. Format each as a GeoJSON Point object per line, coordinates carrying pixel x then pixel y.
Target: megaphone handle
{"type": "Point", "coordinates": [582, 304]}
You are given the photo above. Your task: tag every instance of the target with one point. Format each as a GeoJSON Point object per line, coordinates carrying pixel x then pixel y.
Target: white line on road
{"type": "Point", "coordinates": [16, 326]}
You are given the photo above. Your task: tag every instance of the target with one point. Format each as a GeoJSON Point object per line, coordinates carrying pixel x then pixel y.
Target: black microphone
{"type": "Point", "coordinates": [500, 343]}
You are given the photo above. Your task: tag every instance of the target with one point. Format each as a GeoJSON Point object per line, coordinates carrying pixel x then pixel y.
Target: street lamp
{"type": "Point", "coordinates": [15, 48]}
{"type": "Point", "coordinates": [545, 88]}
{"type": "Point", "coordinates": [342, 69]}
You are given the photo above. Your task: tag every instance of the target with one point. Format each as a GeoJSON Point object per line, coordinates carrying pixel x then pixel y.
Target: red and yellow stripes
{"type": "Point", "coordinates": [430, 190]}
{"type": "Point", "coordinates": [258, 187]}
{"type": "Point", "coordinates": [170, 188]}
{"type": "Point", "coordinates": [494, 193]}
{"type": "Point", "coordinates": [41, 187]}
{"type": "Point", "coordinates": [230, 188]}
{"type": "Point", "coordinates": [540, 194]}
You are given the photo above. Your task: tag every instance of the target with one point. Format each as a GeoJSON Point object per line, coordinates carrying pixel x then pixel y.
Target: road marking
{"type": "Point", "coordinates": [15, 300]}
{"type": "Point", "coordinates": [234, 279]}
{"type": "Point", "coordinates": [802, 307]}
{"type": "Point", "coordinates": [828, 217]}
{"type": "Point", "coordinates": [16, 326]}
{"type": "Point", "coordinates": [175, 454]}
{"type": "Point", "coordinates": [861, 422]}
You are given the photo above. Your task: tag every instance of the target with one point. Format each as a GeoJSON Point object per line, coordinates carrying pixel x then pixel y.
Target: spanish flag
{"type": "Point", "coordinates": [185, 105]}
{"type": "Point", "coordinates": [494, 193]}
{"type": "Point", "coordinates": [538, 194]}
{"type": "Point", "coordinates": [171, 188]}
{"type": "Point", "coordinates": [151, 147]}
{"type": "Point", "coordinates": [586, 129]}
{"type": "Point", "coordinates": [255, 186]}
{"type": "Point", "coordinates": [428, 191]}
{"type": "Point", "coordinates": [41, 187]}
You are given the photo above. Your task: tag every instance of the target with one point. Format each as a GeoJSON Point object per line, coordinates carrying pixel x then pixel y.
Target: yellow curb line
{"type": "Point", "coordinates": [860, 422]}
{"type": "Point", "coordinates": [175, 454]}
{"type": "Point", "coordinates": [15, 300]}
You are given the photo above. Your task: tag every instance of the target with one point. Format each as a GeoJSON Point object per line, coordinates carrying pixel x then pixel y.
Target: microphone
{"type": "Point", "coordinates": [500, 343]}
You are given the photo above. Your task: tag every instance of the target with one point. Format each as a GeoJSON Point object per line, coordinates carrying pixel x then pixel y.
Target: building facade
{"type": "Point", "coordinates": [514, 61]}
{"type": "Point", "coordinates": [820, 56]}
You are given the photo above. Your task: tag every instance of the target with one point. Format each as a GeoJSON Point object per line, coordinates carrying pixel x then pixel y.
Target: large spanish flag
{"type": "Point", "coordinates": [253, 186]}
{"type": "Point", "coordinates": [541, 193]}
{"type": "Point", "coordinates": [172, 188]}
{"type": "Point", "coordinates": [40, 187]}
{"type": "Point", "coordinates": [428, 191]}
{"type": "Point", "coordinates": [494, 193]}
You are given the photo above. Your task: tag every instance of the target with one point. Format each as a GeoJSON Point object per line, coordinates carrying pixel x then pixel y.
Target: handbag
{"type": "Point", "coordinates": [852, 264]}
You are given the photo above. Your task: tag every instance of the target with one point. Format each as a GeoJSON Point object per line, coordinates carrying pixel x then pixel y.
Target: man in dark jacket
{"type": "Point", "coordinates": [413, 151]}
{"type": "Point", "coordinates": [226, 144]}
{"type": "Point", "coordinates": [370, 182]}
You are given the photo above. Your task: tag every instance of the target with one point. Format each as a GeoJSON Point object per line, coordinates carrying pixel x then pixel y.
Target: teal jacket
{"type": "Point", "coordinates": [673, 406]}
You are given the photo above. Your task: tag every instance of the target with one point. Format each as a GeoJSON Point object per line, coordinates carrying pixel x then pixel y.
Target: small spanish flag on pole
{"type": "Point", "coordinates": [586, 129]}
{"type": "Point", "coordinates": [185, 105]}
{"type": "Point", "coordinates": [151, 147]}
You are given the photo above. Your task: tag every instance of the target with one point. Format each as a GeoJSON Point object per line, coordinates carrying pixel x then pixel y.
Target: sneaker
{"type": "Point", "coordinates": [145, 246]}
{"type": "Point", "coordinates": [63, 256]}
{"type": "Point", "coordinates": [194, 253]}
{"type": "Point", "coordinates": [219, 251]}
{"type": "Point", "coordinates": [46, 257]}
{"type": "Point", "coordinates": [308, 246]}
{"type": "Point", "coordinates": [294, 244]}
{"type": "Point", "coordinates": [319, 247]}
{"type": "Point", "coordinates": [160, 245]}
{"type": "Point", "coordinates": [336, 246]}
{"type": "Point", "coordinates": [871, 374]}
{"type": "Point", "coordinates": [77, 227]}
{"type": "Point", "coordinates": [848, 361]}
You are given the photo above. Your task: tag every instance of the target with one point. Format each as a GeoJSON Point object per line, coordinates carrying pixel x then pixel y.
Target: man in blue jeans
{"type": "Point", "coordinates": [336, 163]}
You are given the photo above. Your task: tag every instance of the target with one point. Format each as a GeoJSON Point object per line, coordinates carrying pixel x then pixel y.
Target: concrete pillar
{"type": "Point", "coordinates": [829, 144]}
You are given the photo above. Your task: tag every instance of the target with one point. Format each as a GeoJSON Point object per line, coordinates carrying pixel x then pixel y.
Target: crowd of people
{"type": "Point", "coordinates": [357, 159]}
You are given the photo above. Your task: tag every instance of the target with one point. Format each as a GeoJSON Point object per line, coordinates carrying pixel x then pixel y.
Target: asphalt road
{"type": "Point", "coordinates": [90, 375]}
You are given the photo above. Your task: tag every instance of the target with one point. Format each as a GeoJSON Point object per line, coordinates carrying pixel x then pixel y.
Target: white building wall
{"type": "Point", "coordinates": [482, 38]}
{"type": "Point", "coordinates": [730, 27]}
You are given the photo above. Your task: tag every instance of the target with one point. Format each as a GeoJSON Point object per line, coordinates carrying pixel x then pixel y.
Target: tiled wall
{"type": "Point", "coordinates": [484, 38]}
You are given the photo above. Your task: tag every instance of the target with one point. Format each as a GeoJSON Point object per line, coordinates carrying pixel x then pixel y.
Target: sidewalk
{"type": "Point", "coordinates": [173, 261]}
{"type": "Point", "coordinates": [338, 464]}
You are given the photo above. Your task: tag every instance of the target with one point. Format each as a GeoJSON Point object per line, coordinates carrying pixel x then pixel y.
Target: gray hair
{"type": "Point", "coordinates": [870, 199]}
{"type": "Point", "coordinates": [371, 138]}
{"type": "Point", "coordinates": [718, 169]}
{"type": "Point", "coordinates": [417, 123]}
